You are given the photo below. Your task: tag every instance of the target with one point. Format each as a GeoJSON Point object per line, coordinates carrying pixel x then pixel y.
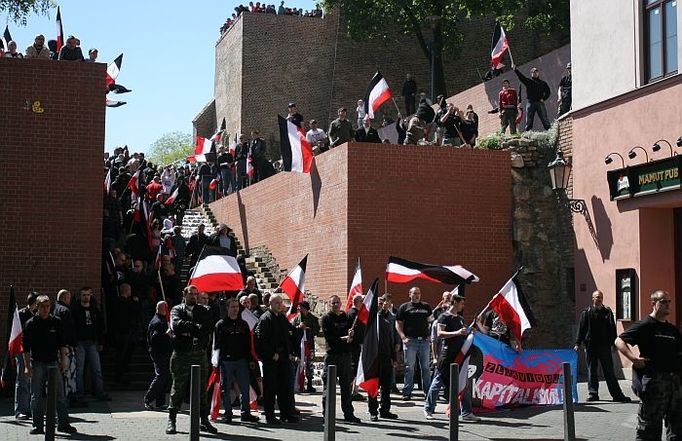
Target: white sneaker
{"type": "Point", "coordinates": [428, 415]}
{"type": "Point", "coordinates": [471, 418]}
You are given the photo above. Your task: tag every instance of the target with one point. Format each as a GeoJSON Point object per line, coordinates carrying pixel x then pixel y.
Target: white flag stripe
{"type": "Point", "coordinates": [462, 272]}
{"type": "Point", "coordinates": [215, 265]}
{"type": "Point", "coordinates": [379, 89]}
{"type": "Point", "coordinates": [511, 294]}
{"type": "Point", "coordinates": [399, 269]}
{"type": "Point", "coordinates": [295, 143]}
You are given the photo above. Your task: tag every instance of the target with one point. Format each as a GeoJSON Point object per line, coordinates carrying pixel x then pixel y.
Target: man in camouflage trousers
{"type": "Point", "coordinates": [310, 323]}
{"type": "Point", "coordinates": [191, 326]}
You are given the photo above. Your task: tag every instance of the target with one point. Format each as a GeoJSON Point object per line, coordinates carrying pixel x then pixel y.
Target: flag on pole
{"type": "Point", "coordinates": [297, 152]}
{"type": "Point", "coordinates": [250, 171]}
{"type": "Point", "coordinates": [115, 103]}
{"type": "Point", "coordinates": [293, 286]}
{"type": "Point", "coordinates": [60, 30]}
{"type": "Point", "coordinates": [462, 359]}
{"type": "Point", "coordinates": [216, 396]}
{"type": "Point", "coordinates": [377, 94]}
{"type": "Point", "coordinates": [203, 147]}
{"type": "Point", "coordinates": [402, 271]}
{"type": "Point", "coordinates": [499, 46]}
{"type": "Point", "coordinates": [512, 307]}
{"type": "Point", "coordinates": [6, 38]}
{"type": "Point", "coordinates": [172, 197]}
{"type": "Point", "coordinates": [299, 380]}
{"type": "Point", "coordinates": [218, 135]}
{"type": "Point", "coordinates": [107, 182]}
{"type": "Point", "coordinates": [216, 271]}
{"type": "Point", "coordinates": [367, 376]}
{"type": "Point", "coordinates": [233, 145]}
{"type": "Point", "coordinates": [14, 338]}
{"type": "Point", "coordinates": [355, 286]}
{"type": "Point", "coordinates": [113, 70]}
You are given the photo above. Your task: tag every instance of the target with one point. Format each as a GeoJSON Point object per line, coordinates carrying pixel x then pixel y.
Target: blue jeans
{"type": "Point", "coordinates": [436, 385]}
{"type": "Point", "coordinates": [228, 181]}
{"type": "Point", "coordinates": [87, 350]}
{"type": "Point", "coordinates": [229, 370]}
{"type": "Point", "coordinates": [38, 385]}
{"type": "Point", "coordinates": [538, 107]}
{"type": "Point", "coordinates": [416, 349]}
{"type": "Point", "coordinates": [157, 388]}
{"type": "Point", "coordinates": [22, 389]}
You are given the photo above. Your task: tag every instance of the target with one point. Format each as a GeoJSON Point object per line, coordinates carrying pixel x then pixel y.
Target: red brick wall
{"type": "Point", "coordinates": [429, 204]}
{"type": "Point", "coordinates": [51, 179]}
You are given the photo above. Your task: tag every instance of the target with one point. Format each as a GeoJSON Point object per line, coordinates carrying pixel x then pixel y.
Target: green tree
{"type": "Point", "coordinates": [435, 23]}
{"type": "Point", "coordinates": [19, 10]}
{"type": "Point", "coordinates": [170, 147]}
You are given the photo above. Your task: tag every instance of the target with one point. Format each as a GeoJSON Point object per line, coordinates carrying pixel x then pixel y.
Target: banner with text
{"type": "Point", "coordinates": [501, 377]}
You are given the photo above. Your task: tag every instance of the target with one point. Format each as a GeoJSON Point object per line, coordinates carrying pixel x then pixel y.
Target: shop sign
{"type": "Point", "coordinates": [645, 179]}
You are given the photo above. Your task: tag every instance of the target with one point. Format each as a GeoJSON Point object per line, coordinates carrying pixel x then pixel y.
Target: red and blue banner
{"type": "Point", "coordinates": [502, 377]}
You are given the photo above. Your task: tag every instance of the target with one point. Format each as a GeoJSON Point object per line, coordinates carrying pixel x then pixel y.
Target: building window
{"type": "Point", "coordinates": [660, 39]}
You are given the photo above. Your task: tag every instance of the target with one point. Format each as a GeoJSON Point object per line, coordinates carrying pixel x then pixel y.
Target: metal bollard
{"type": "Point", "coordinates": [194, 406]}
{"type": "Point", "coordinates": [569, 415]}
{"type": "Point", "coordinates": [52, 378]}
{"type": "Point", "coordinates": [454, 402]}
{"type": "Point", "coordinates": [330, 405]}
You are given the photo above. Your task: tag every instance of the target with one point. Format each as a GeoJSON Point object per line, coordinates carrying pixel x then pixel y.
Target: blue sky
{"type": "Point", "coordinates": [168, 57]}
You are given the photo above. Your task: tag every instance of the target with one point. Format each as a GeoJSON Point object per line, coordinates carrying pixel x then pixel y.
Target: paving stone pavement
{"type": "Point", "coordinates": [125, 419]}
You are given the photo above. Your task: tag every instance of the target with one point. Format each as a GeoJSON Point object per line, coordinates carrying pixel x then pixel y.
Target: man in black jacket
{"type": "Point", "coordinates": [537, 91]}
{"type": "Point", "coordinates": [191, 325]}
{"type": "Point", "coordinates": [62, 310]}
{"type": "Point", "coordinates": [367, 133]}
{"type": "Point", "coordinates": [160, 348]}
{"type": "Point", "coordinates": [241, 154]}
{"type": "Point", "coordinates": [597, 330]}
{"type": "Point", "coordinates": [221, 238]}
{"type": "Point", "coordinates": [274, 348]}
{"type": "Point", "coordinates": [356, 344]}
{"type": "Point", "coordinates": [196, 245]}
{"type": "Point", "coordinates": [233, 342]}
{"type": "Point", "coordinates": [207, 172]}
{"type": "Point", "coordinates": [410, 94]}
{"type": "Point", "coordinates": [22, 388]}
{"type": "Point", "coordinates": [89, 325]}
{"type": "Point", "coordinates": [258, 153]}
{"type": "Point", "coordinates": [338, 332]}
{"type": "Point", "coordinates": [386, 359]}
{"type": "Point", "coordinates": [228, 179]}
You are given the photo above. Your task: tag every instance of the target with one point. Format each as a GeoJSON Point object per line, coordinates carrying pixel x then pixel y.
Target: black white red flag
{"type": "Point", "coordinates": [402, 271]}
{"type": "Point", "coordinates": [218, 135]}
{"type": "Point", "coordinates": [355, 286]}
{"type": "Point", "coordinates": [112, 74]}
{"type": "Point", "coordinates": [172, 197]}
{"type": "Point", "coordinates": [216, 271]}
{"type": "Point", "coordinates": [297, 152]}
{"type": "Point", "coordinates": [115, 103]}
{"type": "Point", "coordinates": [60, 30]}
{"type": "Point", "coordinates": [6, 38]}
{"type": "Point", "coordinates": [377, 94]}
{"type": "Point", "coordinates": [293, 286]}
{"type": "Point", "coordinates": [499, 46]}
{"type": "Point", "coordinates": [512, 307]}
{"type": "Point", "coordinates": [14, 338]}
{"type": "Point", "coordinates": [203, 147]}
{"type": "Point", "coordinates": [367, 376]}
{"type": "Point", "coordinates": [107, 182]}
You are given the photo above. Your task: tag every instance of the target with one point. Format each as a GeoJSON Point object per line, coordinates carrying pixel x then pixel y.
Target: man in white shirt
{"type": "Point", "coordinates": [317, 138]}
{"type": "Point", "coordinates": [360, 111]}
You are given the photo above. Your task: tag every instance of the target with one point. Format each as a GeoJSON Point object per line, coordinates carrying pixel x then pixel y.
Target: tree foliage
{"type": "Point", "coordinates": [171, 147]}
{"type": "Point", "coordinates": [436, 23]}
{"type": "Point", "coordinates": [19, 10]}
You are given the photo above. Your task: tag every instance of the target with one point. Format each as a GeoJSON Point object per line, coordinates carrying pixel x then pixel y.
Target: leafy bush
{"type": "Point", "coordinates": [546, 140]}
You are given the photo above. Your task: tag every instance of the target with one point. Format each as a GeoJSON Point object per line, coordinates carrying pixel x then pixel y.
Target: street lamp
{"type": "Point", "coordinates": [608, 160]}
{"type": "Point", "coordinates": [560, 174]}
{"type": "Point", "coordinates": [632, 154]}
{"type": "Point", "coordinates": [656, 147]}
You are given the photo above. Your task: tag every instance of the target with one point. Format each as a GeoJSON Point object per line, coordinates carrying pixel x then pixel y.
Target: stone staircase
{"type": "Point", "coordinates": [264, 266]}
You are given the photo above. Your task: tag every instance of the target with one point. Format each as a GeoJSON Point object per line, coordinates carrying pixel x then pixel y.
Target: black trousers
{"type": "Point", "coordinates": [385, 373]}
{"type": "Point", "coordinates": [345, 377]}
{"type": "Point", "coordinates": [276, 386]}
{"type": "Point", "coordinates": [157, 389]}
{"type": "Point", "coordinates": [594, 357]}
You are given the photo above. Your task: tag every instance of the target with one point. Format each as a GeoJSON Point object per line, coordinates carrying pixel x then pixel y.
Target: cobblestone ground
{"type": "Point", "coordinates": [125, 419]}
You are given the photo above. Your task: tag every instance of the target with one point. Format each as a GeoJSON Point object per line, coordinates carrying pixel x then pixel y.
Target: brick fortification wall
{"type": "Point", "coordinates": [428, 204]}
{"type": "Point", "coordinates": [264, 61]}
{"type": "Point", "coordinates": [51, 180]}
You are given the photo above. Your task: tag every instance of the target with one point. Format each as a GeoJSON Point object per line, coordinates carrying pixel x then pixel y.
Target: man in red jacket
{"type": "Point", "coordinates": [508, 102]}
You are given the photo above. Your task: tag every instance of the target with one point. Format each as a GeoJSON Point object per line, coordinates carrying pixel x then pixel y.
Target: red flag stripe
{"type": "Point", "coordinates": [355, 286]}
{"type": "Point", "coordinates": [507, 304]}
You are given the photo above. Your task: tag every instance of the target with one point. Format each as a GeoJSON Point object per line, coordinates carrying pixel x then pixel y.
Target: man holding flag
{"type": "Point", "coordinates": [386, 359]}
{"type": "Point", "coordinates": [454, 332]}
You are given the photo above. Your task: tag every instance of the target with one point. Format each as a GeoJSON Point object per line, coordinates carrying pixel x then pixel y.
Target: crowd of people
{"type": "Point", "coordinates": [70, 51]}
{"type": "Point", "coordinates": [259, 8]}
